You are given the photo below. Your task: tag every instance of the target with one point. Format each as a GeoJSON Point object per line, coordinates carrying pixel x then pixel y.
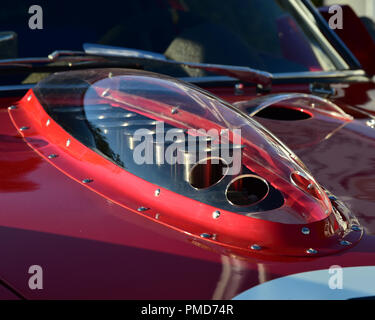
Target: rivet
{"type": "Point", "coordinates": [157, 192]}
{"type": "Point", "coordinates": [24, 128]}
{"type": "Point", "coordinates": [174, 110]}
{"type": "Point", "coordinates": [311, 251]}
{"type": "Point", "coordinates": [142, 209]}
{"type": "Point", "coordinates": [29, 97]}
{"type": "Point", "coordinates": [255, 247]}
{"type": "Point", "coordinates": [206, 235]}
{"type": "Point", "coordinates": [345, 243]}
{"type": "Point", "coordinates": [238, 88]}
{"type": "Point", "coordinates": [12, 108]}
{"type": "Point", "coordinates": [305, 230]}
{"type": "Point", "coordinates": [216, 214]}
{"type": "Point", "coordinates": [87, 180]}
{"type": "Point", "coordinates": [48, 122]}
{"type": "Point", "coordinates": [309, 186]}
{"type": "Point", "coordinates": [332, 198]}
{"type": "Point", "coordinates": [67, 143]}
{"type": "Point", "coordinates": [52, 156]}
{"type": "Point", "coordinates": [105, 92]}
{"type": "Point", "coordinates": [356, 228]}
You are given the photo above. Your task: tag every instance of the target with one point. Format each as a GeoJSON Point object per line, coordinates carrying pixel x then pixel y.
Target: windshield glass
{"type": "Point", "coordinates": [278, 36]}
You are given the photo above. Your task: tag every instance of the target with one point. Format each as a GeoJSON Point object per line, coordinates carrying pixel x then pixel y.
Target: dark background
{"type": "Point", "coordinates": [69, 23]}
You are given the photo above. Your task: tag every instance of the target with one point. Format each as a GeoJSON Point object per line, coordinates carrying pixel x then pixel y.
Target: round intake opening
{"type": "Point", "coordinates": [247, 190]}
{"type": "Point", "coordinates": [283, 113]}
{"type": "Point", "coordinates": [207, 173]}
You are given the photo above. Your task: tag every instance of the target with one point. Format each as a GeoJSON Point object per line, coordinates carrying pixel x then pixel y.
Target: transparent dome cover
{"type": "Point", "coordinates": [299, 101]}
{"type": "Point", "coordinates": [180, 137]}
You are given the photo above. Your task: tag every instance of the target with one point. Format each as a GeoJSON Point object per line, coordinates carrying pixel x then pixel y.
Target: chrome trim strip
{"type": "Point", "coordinates": [319, 74]}
{"type": "Point", "coordinates": [285, 76]}
{"type": "Point", "coordinates": [276, 76]}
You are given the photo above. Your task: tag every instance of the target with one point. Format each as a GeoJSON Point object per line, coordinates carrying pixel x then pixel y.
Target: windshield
{"type": "Point", "coordinates": [278, 36]}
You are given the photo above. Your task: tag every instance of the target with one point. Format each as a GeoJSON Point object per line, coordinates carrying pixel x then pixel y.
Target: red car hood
{"type": "Point", "coordinates": [90, 247]}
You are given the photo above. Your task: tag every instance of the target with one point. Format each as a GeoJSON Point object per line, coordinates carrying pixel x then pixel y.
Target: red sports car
{"type": "Point", "coordinates": [184, 149]}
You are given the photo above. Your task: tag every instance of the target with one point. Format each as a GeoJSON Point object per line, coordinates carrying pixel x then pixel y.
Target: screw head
{"type": "Point", "coordinates": [238, 88]}
{"type": "Point", "coordinates": [305, 230]}
{"type": "Point", "coordinates": [255, 247]}
{"type": "Point", "coordinates": [105, 93]}
{"type": "Point", "coordinates": [174, 110]}
{"type": "Point", "coordinates": [157, 216]}
{"type": "Point", "coordinates": [216, 214]}
{"type": "Point", "coordinates": [345, 243]}
{"type": "Point", "coordinates": [29, 97]}
{"type": "Point", "coordinates": [354, 227]}
{"type": "Point", "coordinates": [206, 235]}
{"type": "Point", "coordinates": [52, 156]}
{"type": "Point", "coordinates": [311, 251]}
{"type": "Point", "coordinates": [157, 192]}
{"type": "Point", "coordinates": [67, 143]}
{"type": "Point", "coordinates": [48, 122]}
{"type": "Point", "coordinates": [142, 209]}
{"type": "Point", "coordinates": [87, 180]}
{"type": "Point", "coordinates": [24, 128]}
{"type": "Point", "coordinates": [12, 108]}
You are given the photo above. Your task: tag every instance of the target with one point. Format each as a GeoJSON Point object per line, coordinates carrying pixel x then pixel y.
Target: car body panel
{"type": "Point", "coordinates": [91, 247]}
{"type": "Point", "coordinates": [93, 243]}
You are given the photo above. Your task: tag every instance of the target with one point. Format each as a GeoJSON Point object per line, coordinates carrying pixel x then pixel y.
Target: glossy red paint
{"type": "Point", "coordinates": [324, 143]}
{"type": "Point", "coordinates": [355, 98]}
{"type": "Point", "coordinates": [189, 216]}
{"type": "Point", "coordinates": [91, 247]}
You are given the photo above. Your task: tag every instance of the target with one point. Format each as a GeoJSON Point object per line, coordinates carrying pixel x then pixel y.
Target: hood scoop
{"type": "Point", "coordinates": [183, 158]}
